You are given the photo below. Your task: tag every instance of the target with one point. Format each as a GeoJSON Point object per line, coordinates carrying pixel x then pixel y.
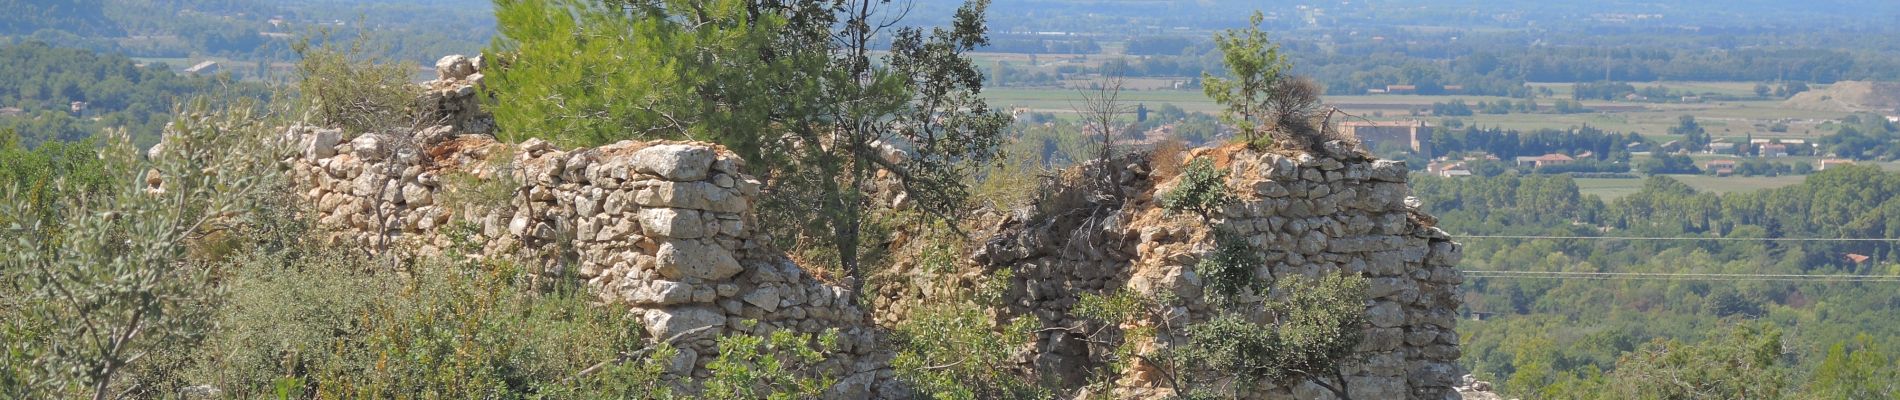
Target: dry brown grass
{"type": "Point", "coordinates": [1166, 159]}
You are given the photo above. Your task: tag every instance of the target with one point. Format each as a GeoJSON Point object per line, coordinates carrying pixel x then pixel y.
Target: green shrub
{"type": "Point", "coordinates": [774, 367]}
{"type": "Point", "coordinates": [955, 351]}
{"type": "Point", "coordinates": [106, 305]}
{"type": "Point", "coordinates": [1202, 190]}
{"type": "Point", "coordinates": [341, 87]}
{"type": "Point", "coordinates": [341, 325]}
{"type": "Point", "coordinates": [1229, 269]}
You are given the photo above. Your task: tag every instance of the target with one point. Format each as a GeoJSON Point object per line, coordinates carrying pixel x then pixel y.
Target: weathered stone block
{"type": "Point", "coordinates": [675, 162]}
{"type": "Point", "coordinates": [660, 293]}
{"type": "Point", "coordinates": [322, 143]}
{"type": "Point", "coordinates": [664, 324]}
{"type": "Point", "coordinates": [681, 259]}
{"type": "Point", "coordinates": [1389, 171]}
{"type": "Point", "coordinates": [1386, 314]}
{"type": "Point", "coordinates": [672, 223]}
{"type": "Point", "coordinates": [764, 297]}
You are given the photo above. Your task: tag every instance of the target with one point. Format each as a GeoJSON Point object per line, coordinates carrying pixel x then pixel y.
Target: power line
{"type": "Point", "coordinates": [1678, 276]}
{"type": "Point", "coordinates": [1735, 239]}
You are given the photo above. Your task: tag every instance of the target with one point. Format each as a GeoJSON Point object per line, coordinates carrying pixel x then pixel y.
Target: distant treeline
{"type": "Point", "coordinates": [1499, 64]}
{"type": "Point", "coordinates": [39, 83]}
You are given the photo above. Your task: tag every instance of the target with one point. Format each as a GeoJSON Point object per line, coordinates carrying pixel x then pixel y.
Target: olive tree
{"type": "Point", "coordinates": [120, 283]}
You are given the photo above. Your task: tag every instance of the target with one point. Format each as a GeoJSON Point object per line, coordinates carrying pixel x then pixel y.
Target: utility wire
{"type": "Point", "coordinates": [1678, 276]}
{"type": "Point", "coordinates": [1732, 239]}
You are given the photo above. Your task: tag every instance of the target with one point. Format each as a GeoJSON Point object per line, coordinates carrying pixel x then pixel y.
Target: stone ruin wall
{"type": "Point", "coordinates": [1311, 215]}
{"type": "Point", "coordinates": [664, 228]}
{"type": "Point", "coordinates": [667, 229]}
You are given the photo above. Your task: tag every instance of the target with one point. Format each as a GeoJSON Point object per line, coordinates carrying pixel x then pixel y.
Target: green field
{"type": "Point", "coordinates": [1064, 101]}
{"type": "Point", "coordinates": [1737, 119]}
{"type": "Point", "coordinates": [1609, 188]}
{"type": "Point", "coordinates": [1612, 189]}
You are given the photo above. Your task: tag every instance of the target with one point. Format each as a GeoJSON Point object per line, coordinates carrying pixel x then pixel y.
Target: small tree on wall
{"type": "Point", "coordinates": [1202, 191]}
{"type": "Point", "coordinates": [1254, 66]}
{"type": "Point", "coordinates": [1259, 94]}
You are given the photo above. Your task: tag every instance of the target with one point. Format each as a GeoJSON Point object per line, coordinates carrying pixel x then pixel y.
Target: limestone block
{"type": "Point", "coordinates": [731, 306]}
{"type": "Point", "coordinates": [1381, 339]}
{"type": "Point", "coordinates": [764, 297]}
{"type": "Point", "coordinates": [1447, 275]}
{"type": "Point", "coordinates": [617, 202]}
{"type": "Point", "coordinates": [691, 195]}
{"type": "Point", "coordinates": [1306, 389]}
{"type": "Point", "coordinates": [417, 195]}
{"type": "Point", "coordinates": [1431, 373]}
{"type": "Point", "coordinates": [1445, 253]}
{"type": "Point", "coordinates": [1376, 387]}
{"type": "Point", "coordinates": [683, 362]}
{"type": "Point", "coordinates": [672, 223]}
{"type": "Point", "coordinates": [587, 202]}
{"type": "Point", "coordinates": [665, 323]}
{"type": "Point", "coordinates": [1312, 242]}
{"type": "Point", "coordinates": [322, 143]}
{"type": "Point", "coordinates": [660, 293]}
{"type": "Point", "coordinates": [1391, 287]}
{"type": "Point", "coordinates": [518, 226]}
{"type": "Point", "coordinates": [454, 67]}
{"type": "Point", "coordinates": [534, 146]}
{"type": "Point", "coordinates": [1389, 171]}
{"type": "Point", "coordinates": [675, 162]}
{"type": "Point", "coordinates": [367, 147]}
{"type": "Point", "coordinates": [681, 259]}
{"type": "Point", "coordinates": [1364, 244]}
{"type": "Point", "coordinates": [366, 185]}
{"type": "Point", "coordinates": [587, 229]}
{"type": "Point", "coordinates": [1420, 337]}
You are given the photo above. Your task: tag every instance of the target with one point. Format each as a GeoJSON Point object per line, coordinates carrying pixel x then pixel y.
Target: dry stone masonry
{"type": "Point", "coordinates": [1310, 214]}
{"type": "Point", "coordinates": [663, 228]}
{"type": "Point", "coordinates": [667, 230]}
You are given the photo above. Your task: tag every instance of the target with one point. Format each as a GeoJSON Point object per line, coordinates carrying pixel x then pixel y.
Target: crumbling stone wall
{"type": "Point", "coordinates": [667, 229]}
{"type": "Point", "coordinates": [1310, 214]}
{"type": "Point", "coordinates": [664, 228]}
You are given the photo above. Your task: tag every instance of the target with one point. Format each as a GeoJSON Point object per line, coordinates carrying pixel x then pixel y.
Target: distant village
{"type": "Point", "coordinates": [1415, 135]}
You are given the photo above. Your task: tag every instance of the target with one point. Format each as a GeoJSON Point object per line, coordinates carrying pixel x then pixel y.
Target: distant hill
{"type": "Point", "coordinates": [23, 17]}
{"type": "Point", "coordinates": [250, 30]}
{"type": "Point", "coordinates": [1850, 96]}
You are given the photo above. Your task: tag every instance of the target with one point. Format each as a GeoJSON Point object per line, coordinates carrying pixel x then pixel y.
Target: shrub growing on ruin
{"type": "Point", "coordinates": [1311, 329]}
{"type": "Point", "coordinates": [1254, 66]}
{"type": "Point", "coordinates": [1228, 271]}
{"type": "Point", "coordinates": [769, 367]}
{"type": "Point", "coordinates": [1202, 190]}
{"type": "Point", "coordinates": [1304, 331]}
{"type": "Point", "coordinates": [341, 86]}
{"type": "Point", "coordinates": [957, 351]}
{"type": "Point", "coordinates": [1261, 99]}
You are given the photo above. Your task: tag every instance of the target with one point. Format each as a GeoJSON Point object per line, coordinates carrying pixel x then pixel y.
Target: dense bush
{"type": "Point", "coordinates": [1202, 190]}
{"type": "Point", "coordinates": [116, 283]}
